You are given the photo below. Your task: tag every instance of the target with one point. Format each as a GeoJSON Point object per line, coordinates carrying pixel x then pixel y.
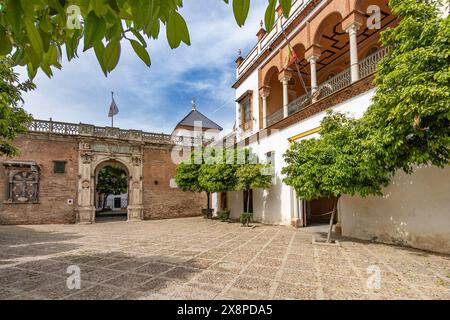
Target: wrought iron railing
{"type": "Point", "coordinates": [336, 83]}
{"type": "Point", "coordinates": [72, 129]}
{"type": "Point", "coordinates": [275, 117]}
{"type": "Point", "coordinates": [299, 103]}
{"type": "Point", "coordinates": [368, 66]}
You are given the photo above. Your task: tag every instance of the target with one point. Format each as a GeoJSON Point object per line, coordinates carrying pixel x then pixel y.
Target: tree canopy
{"type": "Point", "coordinates": [340, 162]}
{"type": "Point", "coordinates": [410, 114]}
{"type": "Point", "coordinates": [112, 181]}
{"type": "Point", "coordinates": [13, 119]}
{"type": "Point", "coordinates": [221, 170]}
{"type": "Point", "coordinates": [35, 33]}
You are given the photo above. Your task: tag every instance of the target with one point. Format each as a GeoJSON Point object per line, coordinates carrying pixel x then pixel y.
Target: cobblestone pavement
{"type": "Point", "coordinates": [197, 259]}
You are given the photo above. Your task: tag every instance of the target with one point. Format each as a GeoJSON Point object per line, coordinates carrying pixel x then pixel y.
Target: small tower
{"type": "Point", "coordinates": [196, 124]}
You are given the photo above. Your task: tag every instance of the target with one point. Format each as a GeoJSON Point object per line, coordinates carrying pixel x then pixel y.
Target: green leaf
{"type": "Point", "coordinates": [5, 45]}
{"type": "Point", "coordinates": [94, 30]}
{"type": "Point", "coordinates": [177, 30]}
{"type": "Point", "coordinates": [286, 5]}
{"type": "Point", "coordinates": [270, 15]}
{"type": "Point", "coordinates": [141, 52]}
{"type": "Point", "coordinates": [241, 9]}
{"type": "Point", "coordinates": [99, 50]}
{"type": "Point", "coordinates": [35, 38]}
{"type": "Point", "coordinates": [111, 55]}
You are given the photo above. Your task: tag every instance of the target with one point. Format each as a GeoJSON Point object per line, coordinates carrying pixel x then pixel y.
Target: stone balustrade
{"type": "Point", "coordinates": [87, 130]}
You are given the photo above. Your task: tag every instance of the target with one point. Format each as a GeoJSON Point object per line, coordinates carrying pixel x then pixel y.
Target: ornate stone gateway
{"type": "Point", "coordinates": [94, 154]}
{"type": "Point", "coordinates": [54, 178]}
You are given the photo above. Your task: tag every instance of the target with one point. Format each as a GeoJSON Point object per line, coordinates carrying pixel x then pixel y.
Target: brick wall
{"type": "Point", "coordinates": [160, 200]}
{"type": "Point", "coordinates": [55, 189]}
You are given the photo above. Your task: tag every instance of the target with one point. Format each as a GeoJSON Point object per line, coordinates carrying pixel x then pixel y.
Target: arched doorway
{"type": "Point", "coordinates": [93, 157]}
{"type": "Point", "coordinates": [111, 191]}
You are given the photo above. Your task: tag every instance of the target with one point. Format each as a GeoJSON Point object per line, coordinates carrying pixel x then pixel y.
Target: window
{"type": "Point", "coordinates": [270, 160]}
{"type": "Point", "coordinates": [245, 104]}
{"type": "Point", "coordinates": [23, 182]}
{"type": "Point", "coordinates": [246, 113]}
{"type": "Point", "coordinates": [59, 167]}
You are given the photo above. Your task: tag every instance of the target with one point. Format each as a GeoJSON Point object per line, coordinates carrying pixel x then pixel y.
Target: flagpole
{"type": "Point", "coordinates": [112, 118]}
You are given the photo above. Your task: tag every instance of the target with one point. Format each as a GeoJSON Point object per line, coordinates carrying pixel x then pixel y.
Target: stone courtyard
{"type": "Point", "coordinates": [192, 258]}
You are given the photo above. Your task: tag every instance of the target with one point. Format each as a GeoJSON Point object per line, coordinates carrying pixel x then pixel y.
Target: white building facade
{"type": "Point", "coordinates": [324, 57]}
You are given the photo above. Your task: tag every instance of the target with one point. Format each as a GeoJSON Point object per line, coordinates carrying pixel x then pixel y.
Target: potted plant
{"type": "Point", "coordinates": [224, 215]}
{"type": "Point", "coordinates": [246, 218]}
{"type": "Point", "coordinates": [207, 213]}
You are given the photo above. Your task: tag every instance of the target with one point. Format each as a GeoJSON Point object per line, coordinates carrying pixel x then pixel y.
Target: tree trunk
{"type": "Point", "coordinates": [104, 198]}
{"type": "Point", "coordinates": [248, 201]}
{"type": "Point", "coordinates": [332, 219]}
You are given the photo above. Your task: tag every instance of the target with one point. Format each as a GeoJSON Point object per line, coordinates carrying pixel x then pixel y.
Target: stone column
{"type": "Point", "coordinates": [312, 55]}
{"type": "Point", "coordinates": [85, 209]}
{"type": "Point", "coordinates": [264, 93]}
{"type": "Point", "coordinates": [284, 78]}
{"type": "Point", "coordinates": [313, 63]}
{"type": "Point", "coordinates": [135, 205]}
{"type": "Point", "coordinates": [352, 30]}
{"type": "Point", "coordinates": [298, 211]}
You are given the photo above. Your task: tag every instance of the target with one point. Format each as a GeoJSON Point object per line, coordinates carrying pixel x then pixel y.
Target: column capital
{"type": "Point", "coordinates": [285, 76]}
{"type": "Point", "coordinates": [264, 92]}
{"type": "Point", "coordinates": [314, 52]}
{"type": "Point", "coordinates": [353, 28]}
{"type": "Point", "coordinates": [353, 21]}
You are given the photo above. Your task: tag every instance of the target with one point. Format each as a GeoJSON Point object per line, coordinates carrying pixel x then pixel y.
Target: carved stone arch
{"type": "Point", "coordinates": [88, 171]}
{"type": "Point", "coordinates": [328, 21]}
{"type": "Point", "coordinates": [104, 161]}
{"type": "Point", "coordinates": [268, 74]}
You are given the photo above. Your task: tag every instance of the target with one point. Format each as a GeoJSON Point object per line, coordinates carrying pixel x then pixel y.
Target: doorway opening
{"type": "Point", "coordinates": [111, 192]}
{"type": "Point", "coordinates": [318, 212]}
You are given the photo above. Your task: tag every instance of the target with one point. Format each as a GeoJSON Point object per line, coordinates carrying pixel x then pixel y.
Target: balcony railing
{"type": "Point", "coordinates": [336, 83]}
{"type": "Point", "coordinates": [299, 104]}
{"type": "Point", "coordinates": [86, 130]}
{"type": "Point", "coordinates": [275, 117]}
{"type": "Point", "coordinates": [367, 67]}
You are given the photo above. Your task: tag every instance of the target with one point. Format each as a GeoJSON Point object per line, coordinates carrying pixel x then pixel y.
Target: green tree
{"type": "Point", "coordinates": [111, 181]}
{"type": "Point", "coordinates": [341, 162]}
{"type": "Point", "coordinates": [35, 32]}
{"type": "Point", "coordinates": [188, 172]}
{"type": "Point", "coordinates": [217, 174]}
{"type": "Point", "coordinates": [252, 175]}
{"type": "Point", "coordinates": [13, 119]}
{"type": "Point", "coordinates": [205, 171]}
{"type": "Point", "coordinates": [410, 114]}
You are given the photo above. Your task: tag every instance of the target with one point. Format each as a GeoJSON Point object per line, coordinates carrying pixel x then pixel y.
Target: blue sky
{"type": "Point", "coordinates": [155, 99]}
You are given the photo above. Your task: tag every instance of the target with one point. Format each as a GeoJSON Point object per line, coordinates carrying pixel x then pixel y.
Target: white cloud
{"type": "Point", "coordinates": [156, 98]}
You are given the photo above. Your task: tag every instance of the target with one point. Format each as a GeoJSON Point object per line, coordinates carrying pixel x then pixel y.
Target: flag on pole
{"type": "Point", "coordinates": [113, 109]}
{"type": "Point", "coordinates": [291, 58]}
